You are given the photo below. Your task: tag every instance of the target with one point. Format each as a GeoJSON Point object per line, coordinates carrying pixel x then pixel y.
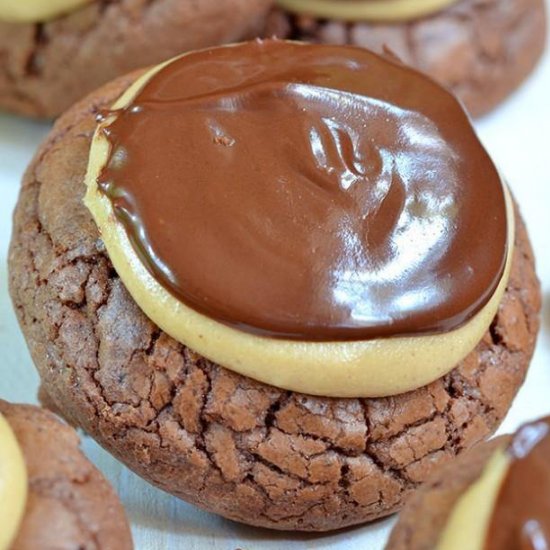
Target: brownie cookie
{"type": "Point", "coordinates": [69, 504]}
{"type": "Point", "coordinates": [46, 66]}
{"type": "Point", "coordinates": [494, 497]}
{"type": "Point", "coordinates": [246, 450]}
{"type": "Point", "coordinates": [426, 512]}
{"type": "Point", "coordinates": [481, 49]}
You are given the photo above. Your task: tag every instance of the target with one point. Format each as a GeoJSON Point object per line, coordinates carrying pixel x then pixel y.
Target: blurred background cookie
{"type": "Point", "coordinates": [481, 49]}
{"type": "Point", "coordinates": [495, 497]}
{"type": "Point", "coordinates": [53, 53]}
{"type": "Point", "coordinates": [51, 496]}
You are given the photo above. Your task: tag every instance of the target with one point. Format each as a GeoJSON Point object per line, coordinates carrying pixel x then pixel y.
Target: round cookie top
{"type": "Point", "coordinates": [215, 147]}
{"type": "Point", "coordinates": [308, 192]}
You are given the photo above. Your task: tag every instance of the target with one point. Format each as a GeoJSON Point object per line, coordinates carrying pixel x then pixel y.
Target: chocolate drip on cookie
{"type": "Point", "coordinates": [521, 517]}
{"type": "Point", "coordinates": [308, 192]}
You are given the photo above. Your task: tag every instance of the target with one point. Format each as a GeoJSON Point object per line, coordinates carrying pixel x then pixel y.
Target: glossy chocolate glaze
{"type": "Point", "coordinates": [521, 518]}
{"type": "Point", "coordinates": [308, 192]}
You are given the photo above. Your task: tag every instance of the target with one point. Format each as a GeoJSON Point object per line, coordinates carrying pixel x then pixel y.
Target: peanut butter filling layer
{"type": "Point", "coordinates": [342, 249]}
{"type": "Point", "coordinates": [37, 11]}
{"type": "Point", "coordinates": [468, 523]}
{"type": "Point", "coordinates": [13, 485]}
{"type": "Point", "coordinates": [366, 10]}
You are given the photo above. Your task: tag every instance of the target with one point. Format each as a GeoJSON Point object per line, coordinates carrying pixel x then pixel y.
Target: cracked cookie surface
{"type": "Point", "coordinates": [69, 503]}
{"type": "Point", "coordinates": [481, 49]}
{"type": "Point", "coordinates": [46, 67]}
{"type": "Point", "coordinates": [242, 449]}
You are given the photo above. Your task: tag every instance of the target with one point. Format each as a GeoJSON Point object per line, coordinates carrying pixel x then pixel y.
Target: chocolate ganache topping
{"type": "Point", "coordinates": [308, 192]}
{"type": "Point", "coordinates": [521, 518]}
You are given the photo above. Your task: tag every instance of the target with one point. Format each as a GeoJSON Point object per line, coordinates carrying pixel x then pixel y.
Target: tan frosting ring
{"type": "Point", "coordinates": [366, 10]}
{"type": "Point", "coordinates": [13, 485]}
{"type": "Point", "coordinates": [36, 11]}
{"type": "Point", "coordinates": [468, 523]}
{"type": "Point", "coordinates": [372, 368]}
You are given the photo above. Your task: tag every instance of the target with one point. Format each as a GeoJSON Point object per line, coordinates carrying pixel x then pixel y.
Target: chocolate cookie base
{"type": "Point", "coordinates": [426, 513]}
{"type": "Point", "coordinates": [69, 503]}
{"type": "Point", "coordinates": [46, 67]}
{"type": "Point", "coordinates": [481, 49]}
{"type": "Point", "coordinates": [242, 449]}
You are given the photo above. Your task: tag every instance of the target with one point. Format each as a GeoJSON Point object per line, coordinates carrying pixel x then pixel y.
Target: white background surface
{"type": "Point", "coordinates": [517, 135]}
